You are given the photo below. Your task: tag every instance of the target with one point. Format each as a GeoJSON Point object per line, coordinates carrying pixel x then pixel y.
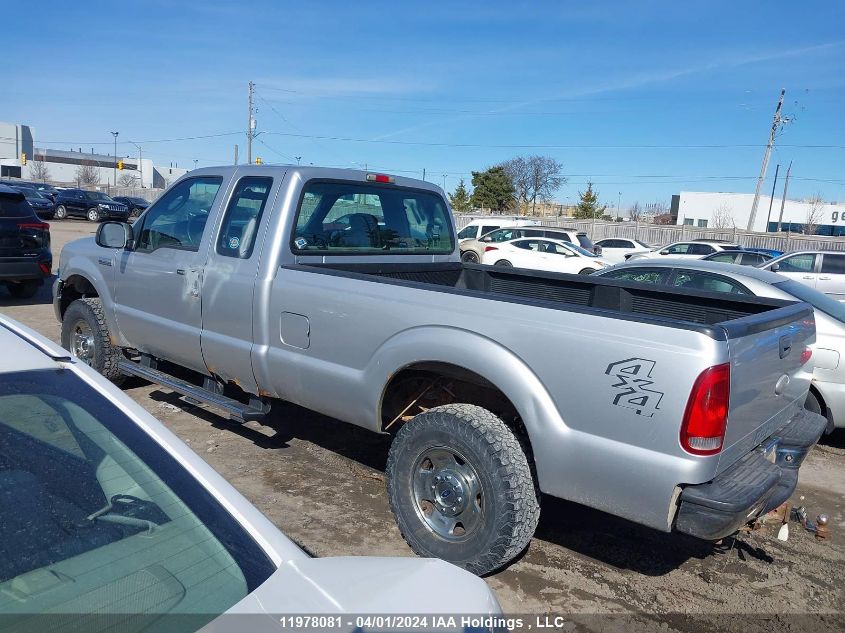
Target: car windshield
{"type": "Point", "coordinates": [96, 517]}
{"type": "Point", "coordinates": [580, 250]}
{"type": "Point", "coordinates": [818, 300]}
{"type": "Point", "coordinates": [12, 206]}
{"type": "Point", "coordinates": [32, 193]}
{"type": "Point", "coordinates": [643, 244]}
{"type": "Point", "coordinates": [97, 195]}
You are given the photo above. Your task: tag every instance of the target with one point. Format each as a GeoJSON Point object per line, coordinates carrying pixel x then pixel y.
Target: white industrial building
{"type": "Point", "coordinates": [18, 142]}
{"type": "Point", "coordinates": [706, 209]}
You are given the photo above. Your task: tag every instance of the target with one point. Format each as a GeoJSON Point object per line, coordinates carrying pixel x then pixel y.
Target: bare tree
{"type": "Point", "coordinates": [533, 178]}
{"type": "Point", "coordinates": [723, 217]}
{"type": "Point", "coordinates": [664, 218]}
{"type": "Point", "coordinates": [814, 215]}
{"type": "Point", "coordinates": [127, 180]}
{"type": "Point", "coordinates": [87, 173]}
{"type": "Point", "coordinates": [636, 213]}
{"type": "Point", "coordinates": [38, 170]}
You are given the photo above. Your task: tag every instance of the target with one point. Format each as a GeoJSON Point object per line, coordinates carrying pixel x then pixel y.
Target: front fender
{"type": "Point", "coordinates": [479, 354]}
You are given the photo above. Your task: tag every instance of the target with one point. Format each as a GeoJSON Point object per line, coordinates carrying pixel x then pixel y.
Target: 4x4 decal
{"type": "Point", "coordinates": [633, 376]}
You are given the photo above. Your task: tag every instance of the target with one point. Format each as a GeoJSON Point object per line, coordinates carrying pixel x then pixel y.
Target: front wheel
{"type": "Point", "coordinates": [93, 215]}
{"type": "Point", "coordinates": [86, 335]}
{"type": "Point", "coordinates": [504, 262]}
{"type": "Point", "coordinates": [61, 212]}
{"type": "Point", "coordinates": [460, 488]}
{"type": "Point", "coordinates": [469, 257]}
{"type": "Point", "coordinates": [587, 271]}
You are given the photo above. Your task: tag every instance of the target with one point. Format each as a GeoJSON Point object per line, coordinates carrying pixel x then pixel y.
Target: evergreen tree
{"type": "Point", "coordinates": [492, 189]}
{"type": "Point", "coordinates": [588, 207]}
{"type": "Point", "coordinates": [460, 200]}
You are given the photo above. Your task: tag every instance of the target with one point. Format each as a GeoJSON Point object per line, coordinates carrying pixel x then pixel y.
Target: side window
{"type": "Point", "coordinates": [641, 275]}
{"type": "Point", "coordinates": [528, 245]}
{"type": "Point", "coordinates": [564, 237]}
{"type": "Point", "coordinates": [467, 232]}
{"type": "Point", "coordinates": [725, 258]}
{"type": "Point", "coordinates": [679, 249]}
{"type": "Point", "coordinates": [177, 219]}
{"type": "Point", "coordinates": [804, 263]}
{"type": "Point", "coordinates": [557, 249]}
{"type": "Point", "coordinates": [833, 264]}
{"type": "Point", "coordinates": [240, 224]}
{"type": "Point", "coordinates": [487, 229]}
{"type": "Point", "coordinates": [700, 249]}
{"type": "Point", "coordinates": [710, 283]}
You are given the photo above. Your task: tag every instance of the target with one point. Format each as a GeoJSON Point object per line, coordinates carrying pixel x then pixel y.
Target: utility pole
{"type": "Point", "coordinates": [114, 134]}
{"type": "Point", "coordinates": [783, 200]}
{"type": "Point", "coordinates": [250, 126]}
{"type": "Point", "coordinates": [423, 173]}
{"type": "Point", "coordinates": [298, 158]}
{"type": "Point", "coordinates": [777, 121]}
{"type": "Point", "coordinates": [619, 208]}
{"type": "Point", "coordinates": [236, 153]}
{"type": "Point", "coordinates": [772, 197]}
{"type": "Point", "coordinates": [140, 163]}
{"type": "Point", "coordinates": [444, 183]}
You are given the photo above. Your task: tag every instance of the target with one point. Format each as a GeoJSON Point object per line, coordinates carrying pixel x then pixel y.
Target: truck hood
{"type": "Point", "coordinates": [369, 585]}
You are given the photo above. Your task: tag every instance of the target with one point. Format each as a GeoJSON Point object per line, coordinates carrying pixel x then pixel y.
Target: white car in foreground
{"type": "Point", "coordinates": [614, 249]}
{"type": "Point", "coordinates": [694, 249]}
{"type": "Point", "coordinates": [539, 253]}
{"type": "Point", "coordinates": [109, 522]}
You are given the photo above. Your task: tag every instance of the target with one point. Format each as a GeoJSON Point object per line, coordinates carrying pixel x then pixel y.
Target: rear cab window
{"type": "Point", "coordinates": [350, 218]}
{"type": "Point", "coordinates": [14, 206]}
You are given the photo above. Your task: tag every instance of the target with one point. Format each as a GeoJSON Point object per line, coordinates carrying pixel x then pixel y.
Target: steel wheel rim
{"type": "Point", "coordinates": [82, 342]}
{"type": "Point", "coordinates": [93, 215]}
{"type": "Point", "coordinates": [447, 493]}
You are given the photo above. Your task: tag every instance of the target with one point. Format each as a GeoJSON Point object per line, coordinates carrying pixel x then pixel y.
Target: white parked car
{"type": "Point", "coordinates": [827, 392]}
{"type": "Point", "coordinates": [479, 227]}
{"type": "Point", "coordinates": [107, 518]}
{"type": "Point", "coordinates": [822, 270]}
{"type": "Point", "coordinates": [694, 249]}
{"type": "Point", "coordinates": [614, 249]}
{"type": "Point", "coordinates": [540, 253]}
{"type": "Point", "coordinates": [472, 250]}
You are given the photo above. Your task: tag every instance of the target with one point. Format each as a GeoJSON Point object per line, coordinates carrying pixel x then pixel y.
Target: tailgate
{"type": "Point", "coordinates": [769, 383]}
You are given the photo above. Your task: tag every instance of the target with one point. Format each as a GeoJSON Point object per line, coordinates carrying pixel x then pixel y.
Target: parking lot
{"type": "Point", "coordinates": [322, 483]}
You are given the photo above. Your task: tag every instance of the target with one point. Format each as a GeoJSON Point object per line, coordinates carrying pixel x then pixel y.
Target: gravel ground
{"type": "Point", "coordinates": [322, 483]}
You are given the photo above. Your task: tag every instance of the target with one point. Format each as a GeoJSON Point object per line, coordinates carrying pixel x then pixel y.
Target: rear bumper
{"type": "Point", "coordinates": [752, 486]}
{"type": "Point", "coordinates": [24, 268]}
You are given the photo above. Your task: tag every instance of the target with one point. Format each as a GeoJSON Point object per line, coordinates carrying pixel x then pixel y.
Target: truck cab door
{"type": "Point", "coordinates": [230, 276]}
{"type": "Point", "coordinates": [158, 302]}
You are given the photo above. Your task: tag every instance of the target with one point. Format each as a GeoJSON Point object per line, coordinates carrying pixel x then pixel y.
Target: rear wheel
{"type": "Point", "coordinates": [587, 271]}
{"type": "Point", "coordinates": [813, 404]}
{"type": "Point", "coordinates": [461, 489]}
{"type": "Point", "coordinates": [86, 335]}
{"type": "Point", "coordinates": [469, 257]}
{"type": "Point", "coordinates": [503, 262]}
{"type": "Point", "coordinates": [23, 289]}
{"type": "Point", "coordinates": [93, 215]}
{"type": "Point", "coordinates": [61, 212]}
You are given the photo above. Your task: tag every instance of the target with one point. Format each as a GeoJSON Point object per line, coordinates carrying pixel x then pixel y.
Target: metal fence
{"type": "Point", "coordinates": [660, 235]}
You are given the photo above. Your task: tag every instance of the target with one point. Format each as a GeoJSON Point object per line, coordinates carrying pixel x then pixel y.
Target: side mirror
{"type": "Point", "coordinates": [664, 252]}
{"type": "Point", "coordinates": [115, 235]}
{"type": "Point", "coordinates": [774, 267]}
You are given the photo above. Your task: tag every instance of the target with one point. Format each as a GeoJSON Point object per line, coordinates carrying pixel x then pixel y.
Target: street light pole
{"type": "Point", "coordinates": [114, 134]}
{"type": "Point", "coordinates": [619, 208]}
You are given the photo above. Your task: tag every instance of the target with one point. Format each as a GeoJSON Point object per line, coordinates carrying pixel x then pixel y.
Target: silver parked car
{"type": "Point", "coordinates": [827, 393]}
{"type": "Point", "coordinates": [109, 522]}
{"type": "Point", "coordinates": [822, 270]}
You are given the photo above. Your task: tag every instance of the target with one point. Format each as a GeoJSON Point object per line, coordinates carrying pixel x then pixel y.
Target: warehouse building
{"type": "Point", "coordinates": [728, 210]}
{"type": "Point", "coordinates": [20, 157]}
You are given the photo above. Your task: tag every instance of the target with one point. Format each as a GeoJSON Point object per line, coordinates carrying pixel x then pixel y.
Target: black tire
{"type": "Point", "coordinates": [812, 403]}
{"type": "Point", "coordinates": [587, 271]}
{"type": "Point", "coordinates": [104, 356]}
{"type": "Point", "coordinates": [505, 508]}
{"type": "Point", "coordinates": [504, 262]}
{"type": "Point", "coordinates": [469, 257]}
{"type": "Point", "coordinates": [23, 289]}
{"type": "Point", "coordinates": [61, 212]}
{"type": "Point", "coordinates": [93, 215]}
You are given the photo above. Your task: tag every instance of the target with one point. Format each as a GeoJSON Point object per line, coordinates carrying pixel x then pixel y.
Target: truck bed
{"type": "Point", "coordinates": [691, 309]}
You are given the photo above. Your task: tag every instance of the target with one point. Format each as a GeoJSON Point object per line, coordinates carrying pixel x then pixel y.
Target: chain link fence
{"type": "Point", "coordinates": [660, 235]}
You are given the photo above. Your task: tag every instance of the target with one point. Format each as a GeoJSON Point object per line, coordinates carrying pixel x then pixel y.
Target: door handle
{"type": "Point", "coordinates": [807, 277]}
{"type": "Point", "coordinates": [180, 271]}
{"type": "Point", "coordinates": [785, 345]}
{"type": "Point", "coordinates": [825, 278]}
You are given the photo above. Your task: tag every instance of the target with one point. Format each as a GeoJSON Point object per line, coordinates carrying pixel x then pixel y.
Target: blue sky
{"type": "Point", "coordinates": [644, 98]}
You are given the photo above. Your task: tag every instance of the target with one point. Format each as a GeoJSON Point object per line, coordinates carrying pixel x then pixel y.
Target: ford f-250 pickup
{"type": "Point", "coordinates": [343, 292]}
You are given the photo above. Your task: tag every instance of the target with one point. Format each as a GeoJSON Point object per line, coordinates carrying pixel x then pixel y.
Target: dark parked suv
{"type": "Point", "coordinates": [94, 205]}
{"type": "Point", "coordinates": [136, 205]}
{"type": "Point", "coordinates": [25, 257]}
{"type": "Point", "coordinates": [41, 204]}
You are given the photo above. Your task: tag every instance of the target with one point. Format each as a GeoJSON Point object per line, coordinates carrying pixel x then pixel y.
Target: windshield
{"type": "Point", "coordinates": [97, 195]}
{"type": "Point", "coordinates": [818, 300]}
{"type": "Point", "coordinates": [14, 207]}
{"type": "Point", "coordinates": [96, 517]}
{"type": "Point", "coordinates": [32, 193]}
{"type": "Point", "coordinates": [580, 250]}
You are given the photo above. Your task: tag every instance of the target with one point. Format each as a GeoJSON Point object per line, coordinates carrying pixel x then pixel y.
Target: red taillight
{"type": "Point", "coordinates": [806, 355]}
{"type": "Point", "coordinates": [491, 248]}
{"type": "Point", "coordinates": [703, 427]}
{"type": "Point", "coordinates": [379, 178]}
{"type": "Point", "coordinates": [45, 268]}
{"type": "Point", "coordinates": [38, 226]}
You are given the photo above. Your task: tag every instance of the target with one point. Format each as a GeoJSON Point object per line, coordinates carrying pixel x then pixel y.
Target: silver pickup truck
{"type": "Point", "coordinates": [343, 292]}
